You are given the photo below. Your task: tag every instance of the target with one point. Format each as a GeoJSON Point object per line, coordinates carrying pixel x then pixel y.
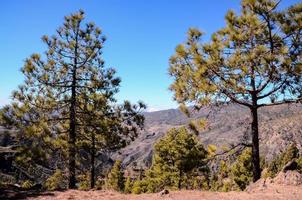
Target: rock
{"type": "Point", "coordinates": [260, 185]}
{"type": "Point", "coordinates": [292, 165]}
{"type": "Point", "coordinates": [288, 178]}
{"type": "Point", "coordinates": [164, 192]}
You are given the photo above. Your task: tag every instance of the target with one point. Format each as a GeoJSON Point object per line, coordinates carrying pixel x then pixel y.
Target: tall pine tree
{"type": "Point", "coordinates": [68, 94]}
{"type": "Point", "coordinates": [254, 61]}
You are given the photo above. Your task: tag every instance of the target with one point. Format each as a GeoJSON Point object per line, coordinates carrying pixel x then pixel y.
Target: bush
{"type": "Point", "coordinates": [116, 180]}
{"type": "Point", "coordinates": [276, 165]}
{"type": "Point", "coordinates": [84, 181]}
{"type": "Point", "coordinates": [233, 176]}
{"type": "Point", "coordinates": [228, 185]}
{"type": "Point", "coordinates": [100, 184]}
{"type": "Point", "coordinates": [128, 185]}
{"type": "Point", "coordinates": [56, 182]}
{"type": "Point", "coordinates": [199, 183]}
{"type": "Point", "coordinates": [242, 169]}
{"type": "Point", "coordinates": [139, 186]}
{"type": "Point", "coordinates": [27, 184]}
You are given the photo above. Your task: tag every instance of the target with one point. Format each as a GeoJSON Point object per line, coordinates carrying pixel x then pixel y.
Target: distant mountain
{"type": "Point", "coordinates": [279, 126]}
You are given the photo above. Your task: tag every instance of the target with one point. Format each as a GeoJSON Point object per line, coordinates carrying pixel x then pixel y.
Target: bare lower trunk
{"type": "Point", "coordinates": [71, 142]}
{"type": "Point", "coordinates": [72, 125]}
{"type": "Point", "coordinates": [255, 146]}
{"type": "Point", "coordinates": [179, 181]}
{"type": "Point", "coordinates": [92, 169]}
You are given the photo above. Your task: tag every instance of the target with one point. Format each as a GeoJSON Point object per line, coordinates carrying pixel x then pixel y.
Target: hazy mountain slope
{"type": "Point", "coordinates": [279, 126]}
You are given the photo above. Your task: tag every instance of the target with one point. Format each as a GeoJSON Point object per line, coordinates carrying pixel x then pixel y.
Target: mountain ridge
{"type": "Point", "coordinates": [226, 125]}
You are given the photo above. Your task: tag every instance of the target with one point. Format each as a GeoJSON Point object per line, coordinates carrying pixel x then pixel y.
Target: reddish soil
{"type": "Point", "coordinates": [277, 192]}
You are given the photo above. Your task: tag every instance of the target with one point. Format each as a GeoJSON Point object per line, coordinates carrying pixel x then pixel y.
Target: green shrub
{"type": "Point", "coordinates": [227, 185]}
{"type": "Point", "coordinates": [116, 180]}
{"type": "Point", "coordinates": [27, 184]}
{"type": "Point", "coordinates": [139, 186]}
{"type": "Point", "coordinates": [84, 181]}
{"type": "Point", "coordinates": [100, 184]}
{"type": "Point", "coordinates": [199, 183]}
{"type": "Point", "coordinates": [128, 185]}
{"type": "Point", "coordinates": [276, 165]}
{"type": "Point", "coordinates": [56, 182]}
{"type": "Point", "coordinates": [242, 169]}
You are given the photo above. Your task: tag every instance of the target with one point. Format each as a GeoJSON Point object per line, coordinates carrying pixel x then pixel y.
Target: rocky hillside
{"type": "Point", "coordinates": [279, 126]}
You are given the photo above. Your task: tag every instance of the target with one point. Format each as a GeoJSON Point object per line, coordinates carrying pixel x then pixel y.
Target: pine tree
{"type": "Point", "coordinates": [56, 181]}
{"type": "Point", "coordinates": [241, 170]}
{"type": "Point", "coordinates": [71, 66]}
{"type": "Point", "coordinates": [116, 179]}
{"type": "Point", "coordinates": [128, 185]}
{"type": "Point", "coordinates": [175, 157]}
{"type": "Point", "coordinates": [68, 99]}
{"type": "Point", "coordinates": [254, 61]}
{"type": "Point", "coordinates": [107, 127]}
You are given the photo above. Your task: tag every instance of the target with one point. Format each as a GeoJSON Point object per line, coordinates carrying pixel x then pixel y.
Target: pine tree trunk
{"type": "Point", "coordinates": [179, 181]}
{"type": "Point", "coordinates": [255, 145]}
{"type": "Point", "coordinates": [92, 170]}
{"type": "Point", "coordinates": [72, 127]}
{"type": "Point", "coordinates": [72, 138]}
{"type": "Point", "coordinates": [255, 132]}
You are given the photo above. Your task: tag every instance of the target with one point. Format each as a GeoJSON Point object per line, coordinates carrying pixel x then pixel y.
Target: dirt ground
{"type": "Point", "coordinates": [275, 193]}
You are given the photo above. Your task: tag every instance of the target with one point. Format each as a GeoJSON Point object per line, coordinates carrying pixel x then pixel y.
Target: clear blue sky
{"type": "Point", "coordinates": [142, 35]}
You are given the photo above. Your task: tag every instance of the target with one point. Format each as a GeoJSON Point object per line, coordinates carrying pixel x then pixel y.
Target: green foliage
{"type": "Point", "coordinates": [276, 165]}
{"type": "Point", "coordinates": [176, 156]}
{"type": "Point", "coordinates": [116, 180]}
{"type": "Point", "coordinates": [233, 176]}
{"type": "Point", "coordinates": [100, 184]}
{"type": "Point", "coordinates": [199, 183]}
{"type": "Point", "coordinates": [215, 183]}
{"type": "Point", "coordinates": [84, 181]}
{"type": "Point", "coordinates": [140, 186]}
{"type": "Point", "coordinates": [292, 152]}
{"type": "Point", "coordinates": [299, 162]}
{"type": "Point", "coordinates": [27, 184]}
{"type": "Point", "coordinates": [242, 169]}
{"type": "Point", "coordinates": [211, 150]}
{"type": "Point", "coordinates": [128, 185]}
{"type": "Point", "coordinates": [222, 181]}
{"type": "Point", "coordinates": [228, 185]}
{"type": "Point", "coordinates": [56, 182]}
